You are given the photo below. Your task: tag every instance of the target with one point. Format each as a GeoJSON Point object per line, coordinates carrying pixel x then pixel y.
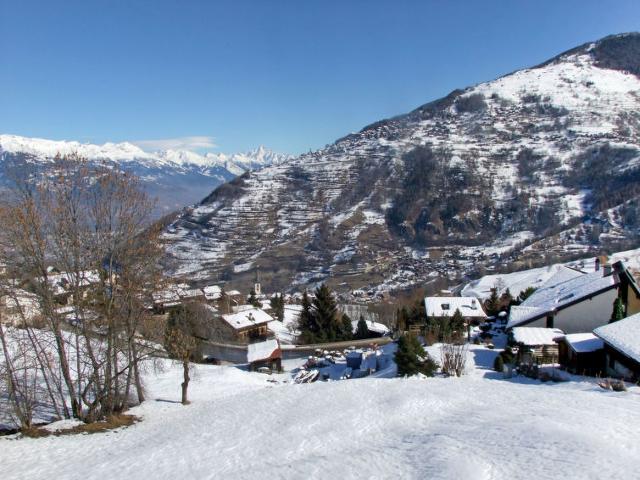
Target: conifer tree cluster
{"type": "Point", "coordinates": [411, 358]}
{"type": "Point", "coordinates": [277, 305]}
{"type": "Point", "coordinates": [320, 321]}
{"type": "Point", "coordinates": [253, 300]}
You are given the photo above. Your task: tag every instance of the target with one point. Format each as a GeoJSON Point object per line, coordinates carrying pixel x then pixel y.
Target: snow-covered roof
{"type": "Point", "coordinates": [583, 342]}
{"type": "Point", "coordinates": [556, 296]}
{"type": "Point", "coordinates": [212, 292]}
{"type": "Point", "coordinates": [166, 296]}
{"type": "Point", "coordinates": [519, 281]}
{"type": "Point", "coordinates": [262, 350]}
{"type": "Point", "coordinates": [623, 335]}
{"type": "Point", "coordinates": [233, 293]}
{"type": "Point", "coordinates": [247, 318]}
{"type": "Point", "coordinates": [372, 326]}
{"type": "Point", "coordinates": [520, 314]}
{"type": "Point", "coordinates": [531, 336]}
{"type": "Point", "coordinates": [190, 293]}
{"type": "Point", "coordinates": [446, 306]}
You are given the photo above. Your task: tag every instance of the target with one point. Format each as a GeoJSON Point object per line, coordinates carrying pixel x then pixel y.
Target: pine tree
{"type": "Point", "coordinates": [277, 305]}
{"type": "Point", "coordinates": [618, 310]}
{"type": "Point", "coordinates": [325, 312]}
{"type": "Point", "coordinates": [526, 293]}
{"type": "Point", "coordinates": [253, 300]}
{"type": "Point", "coordinates": [346, 332]}
{"type": "Point", "coordinates": [362, 331]}
{"type": "Point", "coordinates": [492, 304]}
{"type": "Point", "coordinates": [411, 358]}
{"type": "Point", "coordinates": [307, 323]}
{"type": "Point", "coordinates": [457, 321]}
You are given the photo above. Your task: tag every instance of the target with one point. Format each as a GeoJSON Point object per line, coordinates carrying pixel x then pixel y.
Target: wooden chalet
{"type": "Point", "coordinates": [535, 346]}
{"type": "Point", "coordinates": [246, 324]}
{"type": "Point", "coordinates": [265, 354]}
{"type": "Point", "coordinates": [581, 353]}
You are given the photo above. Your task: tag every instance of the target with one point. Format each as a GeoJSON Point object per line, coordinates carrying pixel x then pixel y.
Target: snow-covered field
{"type": "Point", "coordinates": [241, 425]}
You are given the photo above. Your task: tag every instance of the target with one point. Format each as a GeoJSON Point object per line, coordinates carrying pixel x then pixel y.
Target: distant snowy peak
{"type": "Point", "coordinates": [175, 178]}
{"type": "Point", "coordinates": [46, 150]}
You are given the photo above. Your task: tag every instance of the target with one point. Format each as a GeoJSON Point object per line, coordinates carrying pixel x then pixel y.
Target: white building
{"type": "Point", "coordinates": [470, 307]}
{"type": "Point", "coordinates": [579, 304]}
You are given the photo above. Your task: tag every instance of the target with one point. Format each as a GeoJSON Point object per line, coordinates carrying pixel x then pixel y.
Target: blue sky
{"type": "Point", "coordinates": [291, 75]}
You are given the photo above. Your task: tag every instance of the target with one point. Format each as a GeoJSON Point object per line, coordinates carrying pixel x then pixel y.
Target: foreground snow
{"type": "Point", "coordinates": [240, 425]}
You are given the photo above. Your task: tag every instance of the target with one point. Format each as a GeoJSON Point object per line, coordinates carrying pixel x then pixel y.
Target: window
{"type": "Point", "coordinates": [445, 306]}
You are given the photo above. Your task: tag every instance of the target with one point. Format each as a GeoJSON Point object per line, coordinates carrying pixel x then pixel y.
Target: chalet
{"type": "Point", "coordinates": [445, 307]}
{"type": "Point", "coordinates": [63, 284]}
{"type": "Point", "coordinates": [265, 354]}
{"type": "Point", "coordinates": [247, 324]}
{"type": "Point", "coordinates": [581, 353]}
{"type": "Point", "coordinates": [191, 295]}
{"type": "Point", "coordinates": [535, 346]}
{"type": "Point", "coordinates": [579, 304]}
{"type": "Point", "coordinates": [212, 293]}
{"type": "Point", "coordinates": [440, 307]}
{"type": "Point", "coordinates": [622, 347]}
{"type": "Point", "coordinates": [165, 300]}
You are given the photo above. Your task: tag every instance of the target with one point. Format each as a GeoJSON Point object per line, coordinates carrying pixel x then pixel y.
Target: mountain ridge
{"type": "Point", "coordinates": [539, 163]}
{"type": "Point", "coordinates": [177, 178]}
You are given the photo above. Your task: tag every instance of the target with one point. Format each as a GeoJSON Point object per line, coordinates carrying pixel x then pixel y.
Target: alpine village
{"type": "Point", "coordinates": [451, 292]}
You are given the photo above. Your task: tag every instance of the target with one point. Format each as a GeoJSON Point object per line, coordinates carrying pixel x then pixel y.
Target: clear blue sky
{"type": "Point", "coordinates": [292, 75]}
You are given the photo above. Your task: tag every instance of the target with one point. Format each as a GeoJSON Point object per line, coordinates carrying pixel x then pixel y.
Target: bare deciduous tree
{"type": "Point", "coordinates": [82, 241]}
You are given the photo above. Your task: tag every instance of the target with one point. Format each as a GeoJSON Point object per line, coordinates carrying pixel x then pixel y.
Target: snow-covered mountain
{"type": "Point", "coordinates": [538, 164]}
{"type": "Point", "coordinates": [175, 177]}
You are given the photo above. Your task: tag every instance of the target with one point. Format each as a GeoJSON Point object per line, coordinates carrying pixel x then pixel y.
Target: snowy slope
{"type": "Point", "coordinates": [546, 158]}
{"type": "Point", "coordinates": [175, 177]}
{"type": "Point", "coordinates": [475, 427]}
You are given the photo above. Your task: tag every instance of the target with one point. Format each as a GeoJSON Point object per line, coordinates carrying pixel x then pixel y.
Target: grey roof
{"type": "Point", "coordinates": [623, 335]}
{"type": "Point", "coordinates": [556, 296]}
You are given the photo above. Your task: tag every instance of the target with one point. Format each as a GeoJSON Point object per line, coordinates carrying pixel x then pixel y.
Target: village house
{"type": "Point", "coordinates": [249, 323]}
{"type": "Point", "coordinates": [445, 307]}
{"type": "Point", "coordinates": [63, 284]}
{"type": "Point", "coordinates": [622, 347]}
{"type": "Point", "coordinates": [165, 300]}
{"type": "Point", "coordinates": [441, 307]}
{"type": "Point", "coordinates": [579, 304]}
{"type": "Point", "coordinates": [265, 354]}
{"type": "Point", "coordinates": [535, 345]}
{"type": "Point", "coordinates": [581, 353]}
{"type": "Point", "coordinates": [212, 293]}
{"type": "Point", "coordinates": [19, 307]}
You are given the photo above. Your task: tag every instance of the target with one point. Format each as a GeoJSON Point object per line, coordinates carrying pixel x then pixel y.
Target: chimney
{"type": "Point", "coordinates": [606, 270]}
{"type": "Point", "coordinates": [597, 264]}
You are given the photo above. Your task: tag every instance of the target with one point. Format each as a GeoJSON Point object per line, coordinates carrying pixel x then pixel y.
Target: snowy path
{"type": "Point", "coordinates": [241, 426]}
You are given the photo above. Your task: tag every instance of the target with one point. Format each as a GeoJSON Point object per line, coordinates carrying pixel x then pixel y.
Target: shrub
{"type": "Point", "coordinates": [498, 364]}
{"type": "Point", "coordinates": [411, 358]}
{"type": "Point", "coordinates": [507, 355]}
{"type": "Point", "coordinates": [471, 103]}
{"type": "Point", "coordinates": [454, 358]}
